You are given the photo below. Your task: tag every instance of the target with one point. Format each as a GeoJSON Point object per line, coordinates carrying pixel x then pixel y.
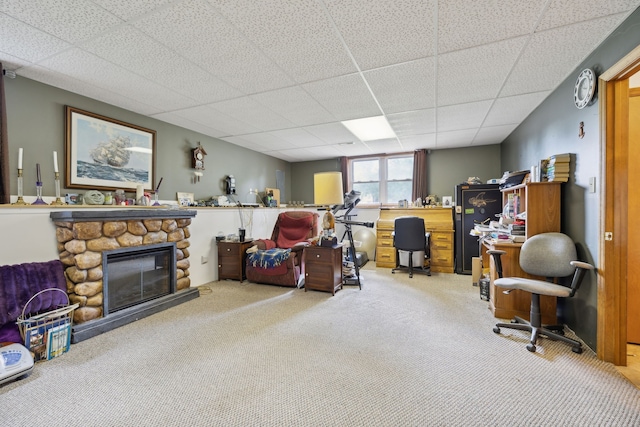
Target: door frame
{"type": "Point", "coordinates": [613, 93]}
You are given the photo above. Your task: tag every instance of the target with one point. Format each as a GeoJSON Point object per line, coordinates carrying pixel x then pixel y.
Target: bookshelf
{"type": "Point", "coordinates": [541, 202]}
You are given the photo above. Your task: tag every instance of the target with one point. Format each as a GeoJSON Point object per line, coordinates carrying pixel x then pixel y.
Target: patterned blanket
{"type": "Point", "coordinates": [268, 258]}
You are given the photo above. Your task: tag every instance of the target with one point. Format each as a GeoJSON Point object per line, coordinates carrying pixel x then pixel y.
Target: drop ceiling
{"type": "Point", "coordinates": [278, 76]}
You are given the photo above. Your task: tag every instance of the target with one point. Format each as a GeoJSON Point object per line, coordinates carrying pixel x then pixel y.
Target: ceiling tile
{"type": "Point", "coordinates": [297, 138]}
{"type": "Point", "coordinates": [207, 39]}
{"type": "Point", "coordinates": [489, 66]}
{"type": "Point", "coordinates": [294, 104]}
{"type": "Point", "coordinates": [551, 55]}
{"type": "Point", "coordinates": [413, 122]}
{"type": "Point", "coordinates": [345, 97]}
{"type": "Point", "coordinates": [463, 116]}
{"type": "Point", "coordinates": [331, 133]}
{"type": "Point", "coordinates": [565, 12]}
{"type": "Point", "coordinates": [513, 109]}
{"type": "Point", "coordinates": [175, 119]}
{"type": "Point", "coordinates": [403, 87]}
{"type": "Point", "coordinates": [142, 55]}
{"type": "Point", "coordinates": [100, 73]}
{"type": "Point", "coordinates": [417, 142]}
{"type": "Point", "coordinates": [217, 120]}
{"type": "Point", "coordinates": [356, 149]}
{"type": "Point", "coordinates": [385, 32]}
{"type": "Point", "coordinates": [493, 134]}
{"type": "Point", "coordinates": [453, 139]}
{"type": "Point", "coordinates": [69, 20]}
{"type": "Point", "coordinates": [385, 146]}
{"type": "Point", "coordinates": [465, 23]}
{"type": "Point", "coordinates": [250, 111]}
{"type": "Point", "coordinates": [296, 35]}
{"type": "Point", "coordinates": [26, 42]}
{"type": "Point", "coordinates": [127, 9]}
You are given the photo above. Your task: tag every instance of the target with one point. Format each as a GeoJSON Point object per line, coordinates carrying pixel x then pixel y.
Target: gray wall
{"type": "Point", "coordinates": [446, 168]}
{"type": "Point", "coordinates": [553, 128]}
{"type": "Point", "coordinates": [35, 114]}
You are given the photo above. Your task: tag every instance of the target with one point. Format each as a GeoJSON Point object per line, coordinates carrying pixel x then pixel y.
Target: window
{"type": "Point", "coordinates": [382, 179]}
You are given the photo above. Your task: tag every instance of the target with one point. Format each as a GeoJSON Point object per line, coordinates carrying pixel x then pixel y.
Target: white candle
{"type": "Point", "coordinates": [55, 161]}
{"type": "Point", "coordinates": [19, 158]}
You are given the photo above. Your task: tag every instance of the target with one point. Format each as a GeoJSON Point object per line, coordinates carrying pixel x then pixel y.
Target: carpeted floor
{"type": "Point", "coordinates": [399, 352]}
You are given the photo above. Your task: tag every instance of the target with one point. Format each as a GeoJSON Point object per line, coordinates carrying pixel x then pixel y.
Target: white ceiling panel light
{"type": "Point", "coordinates": [370, 128]}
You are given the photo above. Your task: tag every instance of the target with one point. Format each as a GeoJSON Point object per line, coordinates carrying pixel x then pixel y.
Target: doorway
{"type": "Point", "coordinates": [619, 255]}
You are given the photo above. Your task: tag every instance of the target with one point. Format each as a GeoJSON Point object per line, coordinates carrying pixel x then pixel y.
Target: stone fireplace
{"type": "Point", "coordinates": [106, 251]}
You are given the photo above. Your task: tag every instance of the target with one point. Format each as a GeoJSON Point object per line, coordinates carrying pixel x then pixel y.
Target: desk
{"type": "Point", "coordinates": [518, 302]}
{"type": "Point", "coordinates": [437, 221]}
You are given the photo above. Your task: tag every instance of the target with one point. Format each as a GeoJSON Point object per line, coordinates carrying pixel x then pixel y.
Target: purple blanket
{"type": "Point", "coordinates": [18, 283]}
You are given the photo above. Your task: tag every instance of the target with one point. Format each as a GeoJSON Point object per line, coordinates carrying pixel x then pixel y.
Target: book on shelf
{"type": "Point", "coordinates": [559, 158]}
{"type": "Point", "coordinates": [558, 167]}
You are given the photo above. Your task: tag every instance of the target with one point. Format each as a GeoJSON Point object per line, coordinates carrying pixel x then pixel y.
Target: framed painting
{"type": "Point", "coordinates": [106, 153]}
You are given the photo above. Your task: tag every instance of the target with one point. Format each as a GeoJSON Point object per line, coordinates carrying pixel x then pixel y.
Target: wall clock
{"type": "Point", "coordinates": [585, 88]}
{"type": "Point", "coordinates": [197, 157]}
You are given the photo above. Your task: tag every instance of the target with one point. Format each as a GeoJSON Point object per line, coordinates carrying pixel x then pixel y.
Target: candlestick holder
{"type": "Point", "coordinates": [39, 200]}
{"type": "Point", "coordinates": [155, 198]}
{"type": "Point", "coordinates": [20, 200]}
{"type": "Point", "coordinates": [58, 200]}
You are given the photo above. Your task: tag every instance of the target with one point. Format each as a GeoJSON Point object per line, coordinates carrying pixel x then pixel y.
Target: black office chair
{"type": "Point", "coordinates": [550, 255]}
{"type": "Point", "coordinates": [409, 238]}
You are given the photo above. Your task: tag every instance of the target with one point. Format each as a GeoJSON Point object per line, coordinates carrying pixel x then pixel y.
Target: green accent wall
{"type": "Point", "coordinates": [35, 115]}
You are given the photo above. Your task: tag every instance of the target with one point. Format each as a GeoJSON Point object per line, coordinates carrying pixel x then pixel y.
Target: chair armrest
{"type": "Point", "coordinates": [497, 260]}
{"type": "Point", "coordinates": [583, 265]}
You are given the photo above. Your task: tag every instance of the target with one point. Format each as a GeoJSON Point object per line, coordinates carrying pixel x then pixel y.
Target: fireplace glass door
{"type": "Point", "coordinates": [136, 275]}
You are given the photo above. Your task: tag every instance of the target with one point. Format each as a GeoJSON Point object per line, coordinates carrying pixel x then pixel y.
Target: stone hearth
{"type": "Point", "coordinates": [84, 235]}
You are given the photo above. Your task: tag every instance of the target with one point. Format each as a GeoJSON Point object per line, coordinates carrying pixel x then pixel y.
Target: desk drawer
{"type": "Point", "coordinates": [385, 256]}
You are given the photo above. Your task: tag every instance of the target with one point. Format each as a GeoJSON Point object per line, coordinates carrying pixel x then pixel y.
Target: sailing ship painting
{"type": "Point", "coordinates": [110, 154]}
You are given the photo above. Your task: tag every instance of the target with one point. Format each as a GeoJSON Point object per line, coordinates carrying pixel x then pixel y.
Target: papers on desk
{"type": "Point", "coordinates": [493, 234]}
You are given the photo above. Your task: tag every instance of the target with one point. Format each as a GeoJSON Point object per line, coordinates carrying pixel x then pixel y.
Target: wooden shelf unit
{"type": "Point", "coordinates": [541, 202]}
{"type": "Point", "coordinates": [437, 221]}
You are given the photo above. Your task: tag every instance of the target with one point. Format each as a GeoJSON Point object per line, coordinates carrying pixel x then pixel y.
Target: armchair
{"type": "Point", "coordinates": [550, 255]}
{"type": "Point", "coordinates": [292, 230]}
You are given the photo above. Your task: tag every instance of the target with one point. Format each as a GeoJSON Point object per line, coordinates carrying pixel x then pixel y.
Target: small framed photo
{"type": "Point", "coordinates": [447, 201]}
{"type": "Point", "coordinates": [185, 199]}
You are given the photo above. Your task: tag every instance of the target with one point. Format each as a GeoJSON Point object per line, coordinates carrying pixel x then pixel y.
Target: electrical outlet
{"type": "Point", "coordinates": [204, 260]}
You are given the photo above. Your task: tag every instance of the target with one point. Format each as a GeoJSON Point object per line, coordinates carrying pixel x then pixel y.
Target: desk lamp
{"type": "Point", "coordinates": [327, 190]}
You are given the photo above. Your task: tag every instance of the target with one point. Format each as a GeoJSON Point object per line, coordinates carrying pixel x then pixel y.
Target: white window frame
{"type": "Point", "coordinates": [382, 171]}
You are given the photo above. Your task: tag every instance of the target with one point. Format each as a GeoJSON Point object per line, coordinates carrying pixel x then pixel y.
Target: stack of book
{"type": "Point", "coordinates": [558, 167]}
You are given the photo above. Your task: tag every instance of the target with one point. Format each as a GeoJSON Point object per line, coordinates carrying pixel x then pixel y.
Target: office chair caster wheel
{"type": "Point", "coordinates": [577, 350]}
{"type": "Point", "coordinates": [496, 329]}
{"type": "Point", "coordinates": [531, 348]}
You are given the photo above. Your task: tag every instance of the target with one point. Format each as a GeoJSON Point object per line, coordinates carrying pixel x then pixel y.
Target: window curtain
{"type": "Point", "coordinates": [344, 168]}
{"type": "Point", "coordinates": [5, 196]}
{"type": "Point", "coordinates": [419, 175]}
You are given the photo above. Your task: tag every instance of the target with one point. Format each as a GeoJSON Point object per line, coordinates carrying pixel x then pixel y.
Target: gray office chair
{"type": "Point", "coordinates": [550, 255]}
{"type": "Point", "coordinates": [409, 239]}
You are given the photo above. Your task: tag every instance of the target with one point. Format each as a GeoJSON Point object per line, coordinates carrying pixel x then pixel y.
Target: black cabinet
{"type": "Point", "coordinates": [474, 204]}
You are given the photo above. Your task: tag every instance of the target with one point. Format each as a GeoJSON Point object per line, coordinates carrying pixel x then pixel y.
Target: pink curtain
{"type": "Point", "coordinates": [419, 175]}
{"type": "Point", "coordinates": [5, 195]}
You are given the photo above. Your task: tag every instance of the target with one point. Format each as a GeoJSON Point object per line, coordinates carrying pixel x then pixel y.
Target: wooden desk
{"type": "Point", "coordinates": [518, 302]}
{"type": "Point", "coordinates": [437, 221]}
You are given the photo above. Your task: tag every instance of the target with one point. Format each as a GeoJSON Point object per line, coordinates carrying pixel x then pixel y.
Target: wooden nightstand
{"type": "Point", "coordinates": [231, 259]}
{"type": "Point", "coordinates": [323, 268]}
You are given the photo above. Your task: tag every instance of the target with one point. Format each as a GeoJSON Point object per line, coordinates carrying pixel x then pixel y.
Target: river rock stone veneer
{"type": "Point", "coordinates": [82, 236]}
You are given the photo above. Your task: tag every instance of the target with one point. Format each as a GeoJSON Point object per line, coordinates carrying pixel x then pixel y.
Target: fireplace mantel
{"type": "Point", "coordinates": [121, 215]}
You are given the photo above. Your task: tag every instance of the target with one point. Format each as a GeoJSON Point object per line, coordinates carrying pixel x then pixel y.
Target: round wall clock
{"type": "Point", "coordinates": [585, 88]}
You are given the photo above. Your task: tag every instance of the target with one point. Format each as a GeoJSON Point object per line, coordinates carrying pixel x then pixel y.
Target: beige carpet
{"type": "Point", "coordinates": [399, 352]}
